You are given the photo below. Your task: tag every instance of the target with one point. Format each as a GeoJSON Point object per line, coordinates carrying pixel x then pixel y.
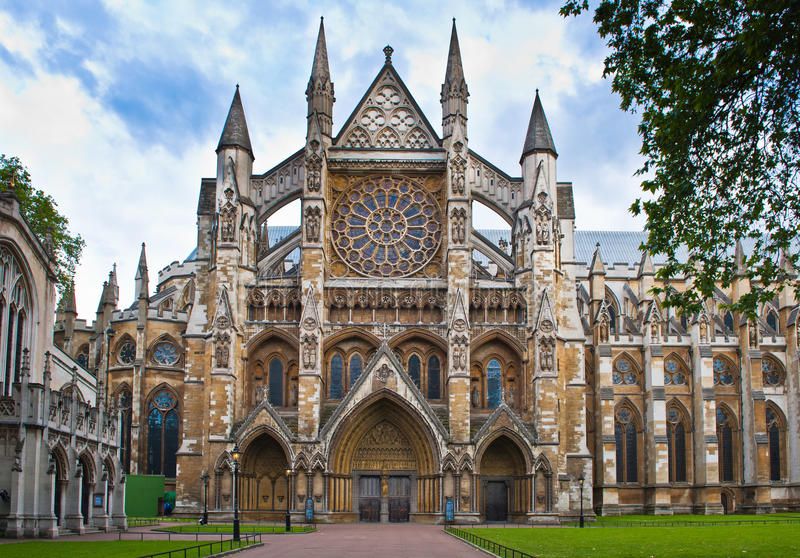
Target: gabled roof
{"type": "Point", "coordinates": [387, 117]}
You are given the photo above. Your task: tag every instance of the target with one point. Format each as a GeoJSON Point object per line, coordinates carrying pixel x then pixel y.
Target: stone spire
{"type": "Point", "coordinates": [597, 267]}
{"type": "Point", "coordinates": [538, 137]}
{"type": "Point", "coordinates": [739, 259]}
{"type": "Point", "coordinates": [319, 92]}
{"type": "Point", "coordinates": [454, 89]}
{"type": "Point", "coordinates": [142, 279]}
{"type": "Point", "coordinates": [235, 133]}
{"type": "Point", "coordinates": [67, 304]}
{"type": "Point", "coordinates": [112, 294]}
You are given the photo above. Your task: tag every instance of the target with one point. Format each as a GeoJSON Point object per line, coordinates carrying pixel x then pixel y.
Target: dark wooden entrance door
{"type": "Point", "coordinates": [399, 499]}
{"type": "Point", "coordinates": [496, 501]}
{"type": "Point", "coordinates": [369, 498]}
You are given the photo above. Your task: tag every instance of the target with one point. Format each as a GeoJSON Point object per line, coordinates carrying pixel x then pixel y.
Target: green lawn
{"type": "Point", "coordinates": [648, 519]}
{"type": "Point", "coordinates": [228, 528]}
{"type": "Point", "coordinates": [74, 549]}
{"type": "Point", "coordinates": [750, 541]}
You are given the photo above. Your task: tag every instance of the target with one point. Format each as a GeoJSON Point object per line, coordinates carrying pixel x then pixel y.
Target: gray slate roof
{"type": "Point", "coordinates": [538, 137]}
{"type": "Point", "coordinates": [235, 133]}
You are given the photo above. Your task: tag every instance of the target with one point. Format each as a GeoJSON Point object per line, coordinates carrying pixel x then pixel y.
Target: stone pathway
{"type": "Point", "coordinates": [358, 540]}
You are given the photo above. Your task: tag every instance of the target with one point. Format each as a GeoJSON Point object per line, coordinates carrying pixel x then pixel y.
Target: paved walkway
{"type": "Point", "coordinates": [358, 540]}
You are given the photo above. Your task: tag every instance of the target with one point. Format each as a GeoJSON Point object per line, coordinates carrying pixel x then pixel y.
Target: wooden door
{"type": "Point", "coordinates": [369, 498]}
{"type": "Point", "coordinates": [496, 501]}
{"type": "Point", "coordinates": [399, 499]}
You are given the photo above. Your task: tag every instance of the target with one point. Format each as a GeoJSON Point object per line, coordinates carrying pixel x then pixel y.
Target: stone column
{"type": "Point", "coordinates": [657, 500]}
{"type": "Point", "coordinates": [704, 436]}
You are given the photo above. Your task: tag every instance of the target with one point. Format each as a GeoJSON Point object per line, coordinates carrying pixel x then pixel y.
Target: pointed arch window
{"type": "Point", "coordinates": [434, 378]}
{"type": "Point", "coordinates": [356, 367]}
{"type": "Point", "coordinates": [82, 357]}
{"type": "Point", "coordinates": [676, 445]}
{"type": "Point", "coordinates": [675, 373]}
{"type": "Point", "coordinates": [494, 383]}
{"type": "Point", "coordinates": [162, 434]}
{"type": "Point", "coordinates": [13, 314]}
{"type": "Point", "coordinates": [773, 322]}
{"type": "Point", "coordinates": [775, 436]}
{"type": "Point", "coordinates": [612, 319]}
{"type": "Point", "coordinates": [124, 400]}
{"type": "Point", "coordinates": [723, 372]}
{"type": "Point", "coordinates": [414, 369]}
{"type": "Point", "coordinates": [276, 382]}
{"type": "Point", "coordinates": [337, 372]}
{"type": "Point", "coordinates": [725, 430]}
{"type": "Point", "coordinates": [728, 320]}
{"type": "Point", "coordinates": [772, 372]}
{"type": "Point", "coordinates": [627, 442]}
{"type": "Point", "coordinates": [624, 372]}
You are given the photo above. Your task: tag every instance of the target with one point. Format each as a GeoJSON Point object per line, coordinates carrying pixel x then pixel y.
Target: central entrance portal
{"type": "Point", "coordinates": [369, 498]}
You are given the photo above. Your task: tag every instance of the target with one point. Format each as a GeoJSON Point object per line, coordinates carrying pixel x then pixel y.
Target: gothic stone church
{"type": "Point", "coordinates": [386, 360]}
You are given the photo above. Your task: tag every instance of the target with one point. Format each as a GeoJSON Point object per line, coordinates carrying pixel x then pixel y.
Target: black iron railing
{"type": "Point", "coordinates": [209, 548]}
{"type": "Point", "coordinates": [489, 545]}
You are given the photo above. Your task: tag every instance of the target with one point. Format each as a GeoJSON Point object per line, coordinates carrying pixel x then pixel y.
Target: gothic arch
{"type": "Point", "coordinates": [499, 334]}
{"type": "Point", "coordinates": [125, 337]}
{"type": "Point", "coordinates": [518, 441]}
{"type": "Point", "coordinates": [258, 339]}
{"type": "Point", "coordinates": [87, 459]}
{"type": "Point", "coordinates": [384, 406]}
{"type": "Point", "coordinates": [349, 332]}
{"type": "Point", "coordinates": [60, 457]}
{"type": "Point", "coordinates": [417, 332]}
{"type": "Point", "coordinates": [165, 337]}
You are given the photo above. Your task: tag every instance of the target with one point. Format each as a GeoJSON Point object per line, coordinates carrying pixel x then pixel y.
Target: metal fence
{"type": "Point", "coordinates": [209, 548]}
{"type": "Point", "coordinates": [495, 548]}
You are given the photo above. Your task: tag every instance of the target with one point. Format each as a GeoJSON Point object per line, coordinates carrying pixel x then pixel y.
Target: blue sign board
{"type": "Point", "coordinates": [449, 510]}
{"type": "Point", "coordinates": [309, 510]}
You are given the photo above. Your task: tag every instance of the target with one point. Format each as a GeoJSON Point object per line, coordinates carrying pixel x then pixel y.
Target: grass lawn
{"type": "Point", "coordinates": [650, 519]}
{"type": "Point", "coordinates": [750, 541]}
{"type": "Point", "coordinates": [228, 528]}
{"type": "Point", "coordinates": [74, 549]}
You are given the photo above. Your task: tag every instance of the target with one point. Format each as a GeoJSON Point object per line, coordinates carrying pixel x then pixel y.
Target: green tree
{"type": "Point", "coordinates": [41, 213]}
{"type": "Point", "coordinates": [717, 84]}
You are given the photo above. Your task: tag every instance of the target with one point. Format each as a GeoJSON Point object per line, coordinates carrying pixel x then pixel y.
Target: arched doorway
{"type": "Point", "coordinates": [263, 483]}
{"type": "Point", "coordinates": [504, 484]}
{"type": "Point", "coordinates": [384, 465]}
{"type": "Point", "coordinates": [87, 487]}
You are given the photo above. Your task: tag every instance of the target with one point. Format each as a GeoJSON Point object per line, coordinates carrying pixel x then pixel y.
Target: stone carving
{"type": "Point", "coordinates": [384, 448]}
{"type": "Point", "coordinates": [383, 373]}
{"type": "Point", "coordinates": [459, 227]}
{"type": "Point", "coordinates": [474, 397]}
{"type": "Point", "coordinates": [604, 327]}
{"type": "Point", "coordinates": [222, 350]}
{"type": "Point", "coordinates": [262, 394]}
{"type": "Point", "coordinates": [703, 329]}
{"type": "Point", "coordinates": [753, 329]}
{"type": "Point", "coordinates": [458, 167]}
{"type": "Point", "coordinates": [460, 352]}
{"type": "Point", "coordinates": [654, 337]}
{"type": "Point", "coordinates": [546, 354]}
{"type": "Point", "coordinates": [313, 218]}
{"type": "Point", "coordinates": [314, 171]}
{"type": "Point", "coordinates": [229, 178]}
{"type": "Point", "coordinates": [309, 351]}
{"type": "Point", "coordinates": [227, 228]}
{"type": "Point", "coordinates": [542, 230]}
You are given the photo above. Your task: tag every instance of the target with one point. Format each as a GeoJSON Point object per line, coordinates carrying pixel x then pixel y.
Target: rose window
{"type": "Point", "coordinates": [386, 227]}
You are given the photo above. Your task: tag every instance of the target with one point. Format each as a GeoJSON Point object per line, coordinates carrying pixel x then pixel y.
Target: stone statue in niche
{"type": "Point", "coordinates": [753, 327]}
{"type": "Point", "coordinates": [459, 356]}
{"type": "Point", "coordinates": [262, 394]}
{"type": "Point", "coordinates": [229, 178]}
{"type": "Point", "coordinates": [313, 173]}
{"type": "Point", "coordinates": [222, 351]}
{"type": "Point", "coordinates": [546, 359]}
{"type": "Point", "coordinates": [313, 218]}
{"type": "Point", "coordinates": [654, 337]}
{"type": "Point", "coordinates": [604, 329]}
{"type": "Point", "coordinates": [457, 169]}
{"type": "Point", "coordinates": [474, 397]}
{"type": "Point", "coordinates": [227, 227]}
{"type": "Point", "coordinates": [542, 231]}
{"type": "Point", "coordinates": [459, 225]}
{"type": "Point", "coordinates": [309, 351]}
{"type": "Point", "coordinates": [703, 330]}
{"type": "Point", "coordinates": [293, 393]}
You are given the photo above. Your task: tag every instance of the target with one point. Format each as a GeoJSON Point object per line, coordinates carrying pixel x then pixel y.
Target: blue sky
{"type": "Point", "coordinates": [116, 107]}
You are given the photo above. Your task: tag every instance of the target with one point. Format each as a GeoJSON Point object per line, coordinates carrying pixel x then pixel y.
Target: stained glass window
{"type": "Point", "coordinates": [772, 372]}
{"type": "Point", "coordinates": [774, 435]}
{"type": "Point", "coordinates": [434, 378]}
{"type": "Point", "coordinates": [414, 367]}
{"type": "Point", "coordinates": [355, 368]}
{"type": "Point", "coordinates": [162, 434]}
{"type": "Point", "coordinates": [723, 372]}
{"type": "Point", "coordinates": [772, 321]}
{"type": "Point", "coordinates": [626, 439]}
{"type": "Point", "coordinates": [124, 404]}
{"type": "Point", "coordinates": [165, 353]}
{"type": "Point", "coordinates": [276, 382]}
{"type": "Point", "coordinates": [728, 322]}
{"type": "Point", "coordinates": [83, 359]}
{"type": "Point", "coordinates": [386, 227]}
{"type": "Point", "coordinates": [624, 372]}
{"type": "Point", "coordinates": [337, 370]}
{"type": "Point", "coordinates": [674, 372]}
{"type": "Point", "coordinates": [494, 383]}
{"type": "Point", "coordinates": [725, 439]}
{"type": "Point", "coordinates": [676, 446]}
{"type": "Point", "coordinates": [127, 352]}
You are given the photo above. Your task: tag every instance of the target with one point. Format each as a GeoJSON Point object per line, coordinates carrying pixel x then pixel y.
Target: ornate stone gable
{"type": "Point", "coordinates": [387, 117]}
{"type": "Point", "coordinates": [504, 418]}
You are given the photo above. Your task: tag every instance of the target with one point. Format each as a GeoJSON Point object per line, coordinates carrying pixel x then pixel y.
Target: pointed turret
{"type": "Point", "coordinates": [235, 133]}
{"type": "Point", "coordinates": [538, 137]}
{"type": "Point", "coordinates": [597, 267]}
{"type": "Point", "coordinates": [739, 259]}
{"type": "Point", "coordinates": [67, 314]}
{"type": "Point", "coordinates": [454, 89]}
{"type": "Point", "coordinates": [67, 304]}
{"type": "Point", "coordinates": [319, 92]}
{"type": "Point", "coordinates": [111, 296]}
{"type": "Point", "coordinates": [646, 265]}
{"type": "Point", "coordinates": [142, 279]}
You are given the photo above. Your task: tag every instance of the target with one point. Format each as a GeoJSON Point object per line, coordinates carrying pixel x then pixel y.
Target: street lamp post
{"type": "Point", "coordinates": [204, 478]}
{"type": "Point", "coordinates": [235, 455]}
{"type": "Point", "coordinates": [288, 501]}
{"type": "Point", "coordinates": [581, 480]}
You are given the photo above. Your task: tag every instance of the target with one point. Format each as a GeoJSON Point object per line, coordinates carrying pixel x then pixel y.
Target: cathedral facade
{"type": "Point", "coordinates": [386, 361]}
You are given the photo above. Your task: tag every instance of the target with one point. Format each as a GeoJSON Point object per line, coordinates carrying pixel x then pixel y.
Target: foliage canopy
{"type": "Point", "coordinates": [717, 84]}
{"type": "Point", "coordinates": [47, 223]}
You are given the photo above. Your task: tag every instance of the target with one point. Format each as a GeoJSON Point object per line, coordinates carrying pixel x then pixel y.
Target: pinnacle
{"type": "Point", "coordinates": [538, 137]}
{"type": "Point", "coordinates": [235, 133]}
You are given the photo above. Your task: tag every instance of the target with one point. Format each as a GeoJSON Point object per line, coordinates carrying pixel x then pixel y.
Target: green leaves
{"type": "Point", "coordinates": [41, 213]}
{"type": "Point", "coordinates": [717, 85]}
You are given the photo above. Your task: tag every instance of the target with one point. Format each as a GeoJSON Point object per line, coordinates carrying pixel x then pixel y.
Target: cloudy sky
{"type": "Point", "coordinates": [116, 107]}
